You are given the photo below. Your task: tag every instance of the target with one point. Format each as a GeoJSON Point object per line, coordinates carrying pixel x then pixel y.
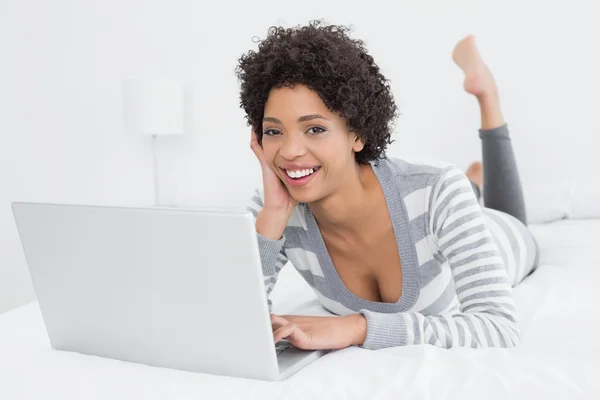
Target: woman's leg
{"type": "Point", "coordinates": [502, 189]}
{"type": "Point", "coordinates": [475, 175]}
{"type": "Point", "coordinates": [501, 184]}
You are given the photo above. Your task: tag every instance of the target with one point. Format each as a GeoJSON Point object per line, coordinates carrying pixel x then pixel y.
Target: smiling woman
{"type": "Point", "coordinates": [298, 126]}
{"type": "Point", "coordinates": [343, 76]}
{"type": "Point", "coordinates": [401, 251]}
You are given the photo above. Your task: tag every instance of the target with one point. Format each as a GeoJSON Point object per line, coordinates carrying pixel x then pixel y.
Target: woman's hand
{"type": "Point", "coordinates": [316, 333]}
{"type": "Point", "coordinates": [277, 196]}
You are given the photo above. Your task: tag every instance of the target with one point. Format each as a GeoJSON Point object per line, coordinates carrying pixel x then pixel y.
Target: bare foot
{"type": "Point", "coordinates": [479, 81]}
{"type": "Point", "coordinates": [475, 173]}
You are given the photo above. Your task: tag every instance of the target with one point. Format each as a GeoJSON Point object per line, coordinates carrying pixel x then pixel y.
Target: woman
{"type": "Point", "coordinates": [402, 252]}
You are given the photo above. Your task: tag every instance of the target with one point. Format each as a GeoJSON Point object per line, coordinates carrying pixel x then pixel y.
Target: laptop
{"type": "Point", "coordinates": [166, 287]}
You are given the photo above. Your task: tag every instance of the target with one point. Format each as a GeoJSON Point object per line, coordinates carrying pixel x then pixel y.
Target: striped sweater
{"type": "Point", "coordinates": [455, 287]}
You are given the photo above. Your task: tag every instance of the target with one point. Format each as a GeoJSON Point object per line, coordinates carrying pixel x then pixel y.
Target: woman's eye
{"type": "Point", "coordinates": [271, 132]}
{"type": "Point", "coordinates": [315, 130]}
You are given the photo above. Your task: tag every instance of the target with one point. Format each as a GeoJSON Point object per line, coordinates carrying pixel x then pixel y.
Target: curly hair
{"type": "Point", "coordinates": [328, 61]}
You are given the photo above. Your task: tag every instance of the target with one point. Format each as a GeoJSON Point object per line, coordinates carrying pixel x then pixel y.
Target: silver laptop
{"type": "Point", "coordinates": [171, 288]}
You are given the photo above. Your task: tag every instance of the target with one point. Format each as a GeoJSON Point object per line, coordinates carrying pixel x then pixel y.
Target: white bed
{"type": "Point", "coordinates": [559, 356]}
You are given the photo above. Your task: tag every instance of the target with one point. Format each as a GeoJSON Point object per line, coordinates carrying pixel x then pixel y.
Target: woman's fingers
{"type": "Point", "coordinates": [277, 321]}
{"type": "Point", "coordinates": [284, 329]}
{"type": "Point", "coordinates": [255, 146]}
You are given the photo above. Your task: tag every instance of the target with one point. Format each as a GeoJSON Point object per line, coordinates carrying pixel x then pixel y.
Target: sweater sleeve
{"type": "Point", "coordinates": [272, 252]}
{"type": "Point", "coordinates": [486, 315]}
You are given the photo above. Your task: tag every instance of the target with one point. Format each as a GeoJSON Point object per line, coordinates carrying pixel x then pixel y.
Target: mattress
{"type": "Point", "coordinates": [558, 356]}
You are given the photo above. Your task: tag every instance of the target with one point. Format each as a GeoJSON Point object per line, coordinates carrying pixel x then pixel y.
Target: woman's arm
{"type": "Point", "coordinates": [272, 253]}
{"type": "Point", "coordinates": [486, 317]}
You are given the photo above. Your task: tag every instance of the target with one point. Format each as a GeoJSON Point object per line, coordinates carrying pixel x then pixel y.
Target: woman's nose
{"type": "Point", "coordinates": [292, 147]}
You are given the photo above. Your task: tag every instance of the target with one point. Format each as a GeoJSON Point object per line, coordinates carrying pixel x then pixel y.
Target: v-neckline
{"type": "Point", "coordinates": [404, 242]}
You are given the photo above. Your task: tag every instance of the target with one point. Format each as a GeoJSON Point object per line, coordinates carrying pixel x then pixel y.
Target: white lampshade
{"type": "Point", "coordinates": [153, 106]}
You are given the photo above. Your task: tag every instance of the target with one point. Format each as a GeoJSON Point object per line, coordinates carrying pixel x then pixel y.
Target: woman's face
{"type": "Point", "coordinates": [299, 135]}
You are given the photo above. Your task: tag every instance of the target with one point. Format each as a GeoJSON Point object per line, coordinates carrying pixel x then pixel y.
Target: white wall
{"type": "Point", "coordinates": [63, 61]}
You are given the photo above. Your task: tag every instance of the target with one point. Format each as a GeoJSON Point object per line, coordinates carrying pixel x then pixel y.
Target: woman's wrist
{"type": "Point", "coordinates": [271, 223]}
{"type": "Point", "coordinates": [359, 329]}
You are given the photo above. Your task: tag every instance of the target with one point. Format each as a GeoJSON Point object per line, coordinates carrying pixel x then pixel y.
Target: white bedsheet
{"type": "Point", "coordinates": [559, 356]}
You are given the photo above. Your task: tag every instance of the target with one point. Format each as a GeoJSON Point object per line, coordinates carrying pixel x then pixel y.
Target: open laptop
{"type": "Point", "coordinates": [166, 287]}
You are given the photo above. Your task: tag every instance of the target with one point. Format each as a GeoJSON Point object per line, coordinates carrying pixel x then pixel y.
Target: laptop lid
{"type": "Point", "coordinates": [165, 287]}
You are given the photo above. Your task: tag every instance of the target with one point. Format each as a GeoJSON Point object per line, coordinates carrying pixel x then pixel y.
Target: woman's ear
{"type": "Point", "coordinates": [358, 144]}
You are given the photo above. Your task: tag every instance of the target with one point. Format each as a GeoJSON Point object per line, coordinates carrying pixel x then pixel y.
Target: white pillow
{"type": "Point", "coordinates": [546, 202]}
{"type": "Point", "coordinates": [551, 201]}
{"type": "Point", "coordinates": [585, 200]}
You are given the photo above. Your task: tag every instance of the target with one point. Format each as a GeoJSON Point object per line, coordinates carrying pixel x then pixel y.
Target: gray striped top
{"type": "Point", "coordinates": [455, 287]}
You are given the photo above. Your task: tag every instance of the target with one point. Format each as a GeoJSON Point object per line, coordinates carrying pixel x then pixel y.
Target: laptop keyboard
{"type": "Point", "coordinates": [282, 346]}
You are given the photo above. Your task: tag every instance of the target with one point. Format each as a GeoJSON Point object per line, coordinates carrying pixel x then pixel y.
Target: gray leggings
{"type": "Point", "coordinates": [504, 202]}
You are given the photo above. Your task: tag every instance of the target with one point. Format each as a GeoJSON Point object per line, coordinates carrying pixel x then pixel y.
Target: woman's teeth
{"type": "Point", "coordinates": [300, 173]}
